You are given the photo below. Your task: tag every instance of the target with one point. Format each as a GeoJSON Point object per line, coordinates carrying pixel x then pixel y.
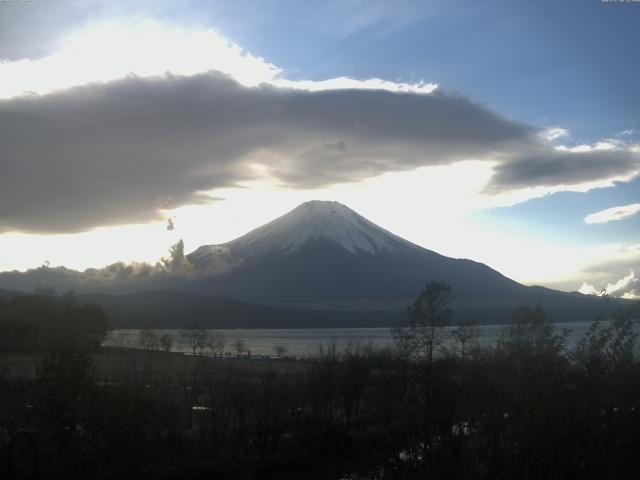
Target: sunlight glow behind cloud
{"type": "Point", "coordinates": [113, 50]}
{"type": "Point", "coordinates": [441, 201]}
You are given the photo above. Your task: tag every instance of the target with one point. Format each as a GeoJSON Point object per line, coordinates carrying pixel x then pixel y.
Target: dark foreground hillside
{"type": "Point", "coordinates": [527, 408]}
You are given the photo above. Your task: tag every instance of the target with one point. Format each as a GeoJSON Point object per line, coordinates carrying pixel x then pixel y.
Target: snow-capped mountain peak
{"type": "Point", "coordinates": [318, 220]}
{"type": "Point", "coordinates": [313, 220]}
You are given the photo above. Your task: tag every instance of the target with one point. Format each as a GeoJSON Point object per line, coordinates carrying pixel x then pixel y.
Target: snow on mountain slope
{"type": "Point", "coordinates": [310, 221]}
{"type": "Point", "coordinates": [318, 219]}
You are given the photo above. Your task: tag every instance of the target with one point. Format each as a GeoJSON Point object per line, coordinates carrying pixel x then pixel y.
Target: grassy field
{"type": "Point", "coordinates": [113, 364]}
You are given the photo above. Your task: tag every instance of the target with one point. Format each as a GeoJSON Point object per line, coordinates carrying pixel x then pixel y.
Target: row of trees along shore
{"type": "Point", "coordinates": [32, 323]}
{"type": "Point", "coordinates": [528, 407]}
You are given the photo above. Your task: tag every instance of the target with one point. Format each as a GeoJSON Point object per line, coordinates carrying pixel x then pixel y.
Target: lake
{"type": "Point", "coordinates": [306, 342]}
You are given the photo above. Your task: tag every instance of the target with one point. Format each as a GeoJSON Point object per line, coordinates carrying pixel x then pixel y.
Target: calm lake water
{"type": "Point", "coordinates": [307, 342]}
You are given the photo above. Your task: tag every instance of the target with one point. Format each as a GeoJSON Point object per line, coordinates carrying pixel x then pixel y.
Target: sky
{"type": "Point", "coordinates": [507, 132]}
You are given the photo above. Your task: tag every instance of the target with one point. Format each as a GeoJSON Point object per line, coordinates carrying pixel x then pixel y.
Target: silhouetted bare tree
{"type": "Point", "coordinates": [427, 317]}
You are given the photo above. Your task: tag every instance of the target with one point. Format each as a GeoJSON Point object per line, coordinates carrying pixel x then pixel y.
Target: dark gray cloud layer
{"type": "Point", "coordinates": [542, 166]}
{"type": "Point", "coordinates": [115, 153]}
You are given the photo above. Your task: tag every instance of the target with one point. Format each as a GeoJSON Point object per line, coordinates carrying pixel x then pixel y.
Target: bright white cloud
{"type": "Point", "coordinates": [110, 51]}
{"type": "Point", "coordinates": [344, 83]}
{"type": "Point", "coordinates": [114, 50]}
{"type": "Point", "coordinates": [588, 289]}
{"type": "Point", "coordinates": [95, 248]}
{"type": "Point", "coordinates": [551, 134]}
{"type": "Point", "coordinates": [613, 214]}
{"type": "Point", "coordinates": [624, 287]}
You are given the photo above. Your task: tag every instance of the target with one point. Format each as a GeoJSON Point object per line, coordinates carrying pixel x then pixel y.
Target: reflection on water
{"type": "Point", "coordinates": [305, 342]}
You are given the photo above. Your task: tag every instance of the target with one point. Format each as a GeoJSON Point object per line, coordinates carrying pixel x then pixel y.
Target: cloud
{"type": "Point", "coordinates": [555, 133]}
{"type": "Point", "coordinates": [124, 147]}
{"type": "Point", "coordinates": [118, 276]}
{"type": "Point", "coordinates": [539, 165]}
{"type": "Point", "coordinates": [345, 19]}
{"type": "Point", "coordinates": [345, 83]}
{"type": "Point", "coordinates": [49, 21]}
{"type": "Point", "coordinates": [588, 289]}
{"type": "Point", "coordinates": [112, 50]}
{"type": "Point", "coordinates": [621, 261]}
{"type": "Point", "coordinates": [120, 152]}
{"type": "Point", "coordinates": [625, 287]}
{"type": "Point", "coordinates": [613, 214]}
{"type": "Point", "coordinates": [122, 276]}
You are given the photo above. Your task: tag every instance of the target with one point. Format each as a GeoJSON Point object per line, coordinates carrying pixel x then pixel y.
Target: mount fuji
{"type": "Point", "coordinates": [324, 256]}
{"type": "Point", "coordinates": [330, 221]}
{"type": "Point", "coordinates": [321, 264]}
{"type": "Point", "coordinates": [324, 251]}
